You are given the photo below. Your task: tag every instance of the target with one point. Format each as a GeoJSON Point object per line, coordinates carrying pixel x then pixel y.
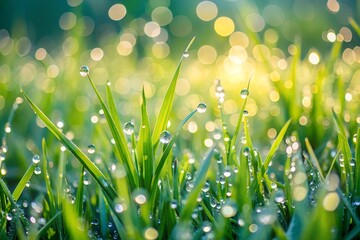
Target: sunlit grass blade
{"type": "Point", "coordinates": [275, 146]}
{"type": "Point", "coordinates": [48, 224]}
{"type": "Point", "coordinates": [22, 184]}
{"type": "Point", "coordinates": [75, 150]}
{"type": "Point", "coordinates": [238, 125]}
{"type": "Point", "coordinates": [313, 158]}
{"type": "Point", "coordinates": [199, 181]}
{"type": "Point", "coordinates": [165, 155]}
{"type": "Point", "coordinates": [166, 107]}
{"type": "Point", "coordinates": [340, 126]}
{"type": "Point", "coordinates": [354, 25]}
{"type": "Point", "coordinates": [357, 165]}
{"type": "Point", "coordinates": [72, 222]}
{"type": "Point", "coordinates": [120, 141]}
{"type": "Point", "coordinates": [144, 147]}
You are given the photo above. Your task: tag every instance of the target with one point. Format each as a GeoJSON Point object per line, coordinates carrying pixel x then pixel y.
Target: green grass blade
{"type": "Point", "coordinates": [354, 25]}
{"type": "Point", "coordinates": [22, 184]}
{"type": "Point", "coordinates": [165, 155]}
{"type": "Point", "coordinates": [339, 124]}
{"type": "Point", "coordinates": [275, 146]}
{"type": "Point", "coordinates": [345, 149]}
{"type": "Point", "coordinates": [357, 165]}
{"type": "Point", "coordinates": [48, 225]}
{"type": "Point", "coordinates": [48, 180]}
{"type": "Point", "coordinates": [144, 146]}
{"type": "Point", "coordinates": [75, 150]}
{"type": "Point", "coordinates": [313, 158]}
{"type": "Point", "coordinates": [120, 141]}
{"type": "Point", "coordinates": [199, 181]}
{"type": "Point", "coordinates": [79, 194]}
{"type": "Point", "coordinates": [164, 114]}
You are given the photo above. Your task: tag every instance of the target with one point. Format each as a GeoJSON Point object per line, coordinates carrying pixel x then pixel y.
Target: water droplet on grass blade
{"type": "Point", "coordinates": [165, 137]}
{"type": "Point", "coordinates": [206, 227]}
{"type": "Point", "coordinates": [354, 138]}
{"type": "Point", "coordinates": [186, 54]}
{"type": "Point", "coordinates": [91, 149]}
{"type": "Point", "coordinates": [201, 108]}
{"type": "Point", "coordinates": [244, 93]}
{"type": "Point", "coordinates": [37, 170]}
{"type": "Point", "coordinates": [84, 71]}
{"type": "Point", "coordinates": [206, 187]}
{"type": "Point", "coordinates": [279, 196]}
{"type": "Point", "coordinates": [7, 127]}
{"type": "Point", "coordinates": [36, 159]}
{"type": "Point", "coordinates": [245, 113]}
{"type": "Point", "coordinates": [128, 128]}
{"type": "Point", "coordinates": [173, 204]}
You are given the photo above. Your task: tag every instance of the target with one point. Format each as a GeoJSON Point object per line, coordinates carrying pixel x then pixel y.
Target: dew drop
{"type": "Point", "coordinates": [173, 204]}
{"type": "Point", "coordinates": [7, 127]}
{"type": "Point", "coordinates": [9, 216]}
{"type": "Point", "coordinates": [246, 151]}
{"type": "Point", "coordinates": [36, 159]}
{"type": "Point", "coordinates": [28, 184]}
{"type": "Point", "coordinates": [244, 93]}
{"type": "Point", "coordinates": [201, 108]}
{"type": "Point", "coordinates": [355, 138]}
{"type": "Point", "coordinates": [227, 171]}
{"type": "Point", "coordinates": [128, 128]}
{"type": "Point", "coordinates": [91, 149]}
{"type": "Point", "coordinates": [245, 113]}
{"type": "Point", "coordinates": [279, 196]}
{"type": "Point", "coordinates": [84, 71]}
{"type": "Point", "coordinates": [37, 170]}
{"type": "Point", "coordinates": [165, 137]}
{"type": "Point", "coordinates": [206, 187]}
{"type": "Point", "coordinates": [186, 54]}
{"type": "Point", "coordinates": [206, 227]}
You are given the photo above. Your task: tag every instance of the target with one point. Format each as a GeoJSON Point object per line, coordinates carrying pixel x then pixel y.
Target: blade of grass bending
{"type": "Point", "coordinates": [144, 147]}
{"type": "Point", "coordinates": [332, 164]}
{"type": "Point", "coordinates": [48, 225]}
{"type": "Point", "coordinates": [22, 184]}
{"type": "Point", "coordinates": [164, 156]}
{"type": "Point", "coordinates": [199, 181]}
{"type": "Point", "coordinates": [120, 141]}
{"type": "Point", "coordinates": [345, 149]}
{"type": "Point", "coordinates": [355, 232]}
{"type": "Point", "coordinates": [75, 150]}
{"type": "Point", "coordinates": [348, 206]}
{"type": "Point", "coordinates": [357, 165]}
{"type": "Point", "coordinates": [275, 146]}
{"type": "Point", "coordinates": [80, 193]}
{"type": "Point", "coordinates": [164, 114]}
{"type": "Point", "coordinates": [313, 158]}
{"type": "Point", "coordinates": [339, 124]}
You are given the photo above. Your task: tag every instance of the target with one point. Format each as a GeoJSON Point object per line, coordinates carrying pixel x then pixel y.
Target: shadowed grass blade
{"type": "Point", "coordinates": [275, 146]}
{"type": "Point", "coordinates": [199, 181]}
{"type": "Point", "coordinates": [80, 193]}
{"type": "Point", "coordinates": [120, 141]}
{"type": "Point", "coordinates": [47, 180]}
{"type": "Point", "coordinates": [75, 150]}
{"type": "Point", "coordinates": [164, 114]}
{"type": "Point", "coordinates": [48, 225]}
{"type": "Point", "coordinates": [22, 184]}
{"type": "Point", "coordinates": [354, 25]}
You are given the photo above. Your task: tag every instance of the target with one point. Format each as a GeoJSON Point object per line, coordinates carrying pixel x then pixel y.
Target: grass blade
{"type": "Point", "coordinates": [75, 150]}
{"type": "Point", "coordinates": [144, 146]}
{"type": "Point", "coordinates": [22, 184]}
{"type": "Point", "coordinates": [357, 165]}
{"type": "Point", "coordinates": [164, 114]}
{"type": "Point", "coordinates": [79, 194]}
{"type": "Point", "coordinates": [275, 146]}
{"type": "Point", "coordinates": [120, 141]}
{"type": "Point", "coordinates": [313, 158]}
{"type": "Point", "coordinates": [47, 180]}
{"type": "Point", "coordinates": [165, 155]}
{"type": "Point", "coordinates": [48, 225]}
{"type": "Point", "coordinates": [354, 25]}
{"type": "Point", "coordinates": [199, 181]}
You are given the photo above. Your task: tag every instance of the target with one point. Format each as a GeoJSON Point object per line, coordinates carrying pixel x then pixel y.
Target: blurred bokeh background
{"type": "Point", "coordinates": [294, 49]}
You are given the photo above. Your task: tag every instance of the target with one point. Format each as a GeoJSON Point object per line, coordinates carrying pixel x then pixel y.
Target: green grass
{"type": "Point", "coordinates": [148, 187]}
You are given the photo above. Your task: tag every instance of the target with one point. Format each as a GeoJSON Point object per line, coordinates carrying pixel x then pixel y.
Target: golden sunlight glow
{"type": "Point", "coordinates": [124, 48]}
{"type": "Point", "coordinates": [40, 54]}
{"type": "Point", "coordinates": [314, 58]}
{"type": "Point", "coordinates": [255, 22]}
{"type": "Point", "coordinates": [238, 55]}
{"type": "Point", "coordinates": [206, 10]}
{"type": "Point", "coordinates": [207, 54]}
{"type": "Point", "coordinates": [239, 38]}
{"type": "Point", "coordinates": [152, 29]}
{"type": "Point", "coordinates": [224, 26]}
{"type": "Point", "coordinates": [160, 50]}
{"type": "Point", "coordinates": [117, 12]}
{"type": "Point", "coordinates": [333, 6]}
{"type": "Point", "coordinates": [331, 201]}
{"type": "Point", "coordinates": [162, 15]}
{"type": "Point", "coordinates": [97, 54]}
